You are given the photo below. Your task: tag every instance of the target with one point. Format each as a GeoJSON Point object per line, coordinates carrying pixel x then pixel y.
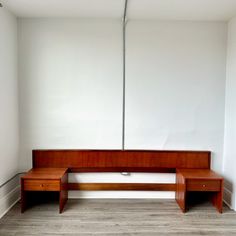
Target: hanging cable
{"type": "Point", "coordinates": [124, 64]}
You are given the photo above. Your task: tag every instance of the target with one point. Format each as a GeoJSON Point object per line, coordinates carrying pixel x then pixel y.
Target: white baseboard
{"type": "Point", "coordinates": [6, 207]}
{"type": "Point", "coordinates": [228, 198]}
{"type": "Point", "coordinates": [10, 195]}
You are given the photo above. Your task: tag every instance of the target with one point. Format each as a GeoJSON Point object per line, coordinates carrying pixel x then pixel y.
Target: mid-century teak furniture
{"type": "Point", "coordinates": [202, 180]}
{"type": "Point", "coordinates": [45, 179]}
{"type": "Point", "coordinates": [51, 167]}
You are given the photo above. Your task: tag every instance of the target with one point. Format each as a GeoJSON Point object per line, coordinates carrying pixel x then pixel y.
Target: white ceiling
{"type": "Point", "coordinates": [213, 10]}
{"type": "Point", "coordinates": [66, 8]}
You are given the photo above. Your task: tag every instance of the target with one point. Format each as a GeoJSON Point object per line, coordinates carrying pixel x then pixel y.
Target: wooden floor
{"type": "Point", "coordinates": [118, 217]}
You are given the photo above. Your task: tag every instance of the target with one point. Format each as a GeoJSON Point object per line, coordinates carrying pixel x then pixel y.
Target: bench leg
{"type": "Point", "coordinates": [217, 199]}
{"type": "Point", "coordinates": [63, 193]}
{"type": "Point", "coordinates": [23, 197]}
{"type": "Point", "coordinates": [180, 193]}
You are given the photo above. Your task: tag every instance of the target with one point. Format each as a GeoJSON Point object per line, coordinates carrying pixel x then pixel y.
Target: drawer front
{"type": "Point", "coordinates": [203, 185]}
{"type": "Point", "coordinates": [41, 185]}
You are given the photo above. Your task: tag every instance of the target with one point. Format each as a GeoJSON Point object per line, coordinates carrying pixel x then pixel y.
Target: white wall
{"type": "Point", "coordinates": [229, 166]}
{"type": "Point", "coordinates": [8, 96]}
{"type": "Point", "coordinates": [70, 74]}
{"type": "Point", "coordinates": [70, 85]}
{"type": "Point", "coordinates": [175, 86]}
{"type": "Point", "coordinates": [9, 135]}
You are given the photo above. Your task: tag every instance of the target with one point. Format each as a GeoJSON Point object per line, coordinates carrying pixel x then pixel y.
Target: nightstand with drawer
{"type": "Point", "coordinates": [198, 180]}
{"type": "Point", "coordinates": [45, 180]}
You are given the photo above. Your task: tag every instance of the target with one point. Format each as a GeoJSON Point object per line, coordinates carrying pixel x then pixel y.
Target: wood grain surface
{"type": "Point", "coordinates": [121, 161]}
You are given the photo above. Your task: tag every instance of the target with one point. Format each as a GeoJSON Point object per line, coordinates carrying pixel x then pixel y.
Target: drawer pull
{"type": "Point", "coordinates": [203, 185]}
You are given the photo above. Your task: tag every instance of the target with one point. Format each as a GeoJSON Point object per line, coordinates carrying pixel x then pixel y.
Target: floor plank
{"type": "Point", "coordinates": [118, 217]}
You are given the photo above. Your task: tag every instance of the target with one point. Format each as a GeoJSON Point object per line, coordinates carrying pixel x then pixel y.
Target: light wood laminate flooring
{"type": "Point", "coordinates": [118, 217]}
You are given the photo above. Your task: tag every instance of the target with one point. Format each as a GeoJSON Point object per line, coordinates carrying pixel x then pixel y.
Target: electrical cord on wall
{"type": "Point", "coordinates": [124, 21]}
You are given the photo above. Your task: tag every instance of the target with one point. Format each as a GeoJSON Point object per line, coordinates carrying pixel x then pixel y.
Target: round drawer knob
{"type": "Point", "coordinates": [203, 185]}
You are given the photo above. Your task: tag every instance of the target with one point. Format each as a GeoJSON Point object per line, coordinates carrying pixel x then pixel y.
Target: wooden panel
{"type": "Point", "coordinates": [117, 160]}
{"type": "Point", "coordinates": [63, 197]}
{"type": "Point", "coordinates": [23, 198]}
{"type": "Point", "coordinates": [122, 186]}
{"type": "Point", "coordinates": [41, 185]}
{"type": "Point", "coordinates": [180, 193]}
{"type": "Point", "coordinates": [217, 198]}
{"type": "Point", "coordinates": [45, 173]}
{"type": "Point", "coordinates": [203, 185]}
{"type": "Point", "coordinates": [199, 174]}
{"type": "Point", "coordinates": [122, 169]}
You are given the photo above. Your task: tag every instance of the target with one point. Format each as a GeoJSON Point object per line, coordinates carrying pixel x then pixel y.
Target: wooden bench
{"type": "Point", "coordinates": [77, 161]}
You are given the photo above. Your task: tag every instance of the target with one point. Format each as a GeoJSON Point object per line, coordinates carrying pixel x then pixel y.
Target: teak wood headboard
{"type": "Point", "coordinates": [121, 161]}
